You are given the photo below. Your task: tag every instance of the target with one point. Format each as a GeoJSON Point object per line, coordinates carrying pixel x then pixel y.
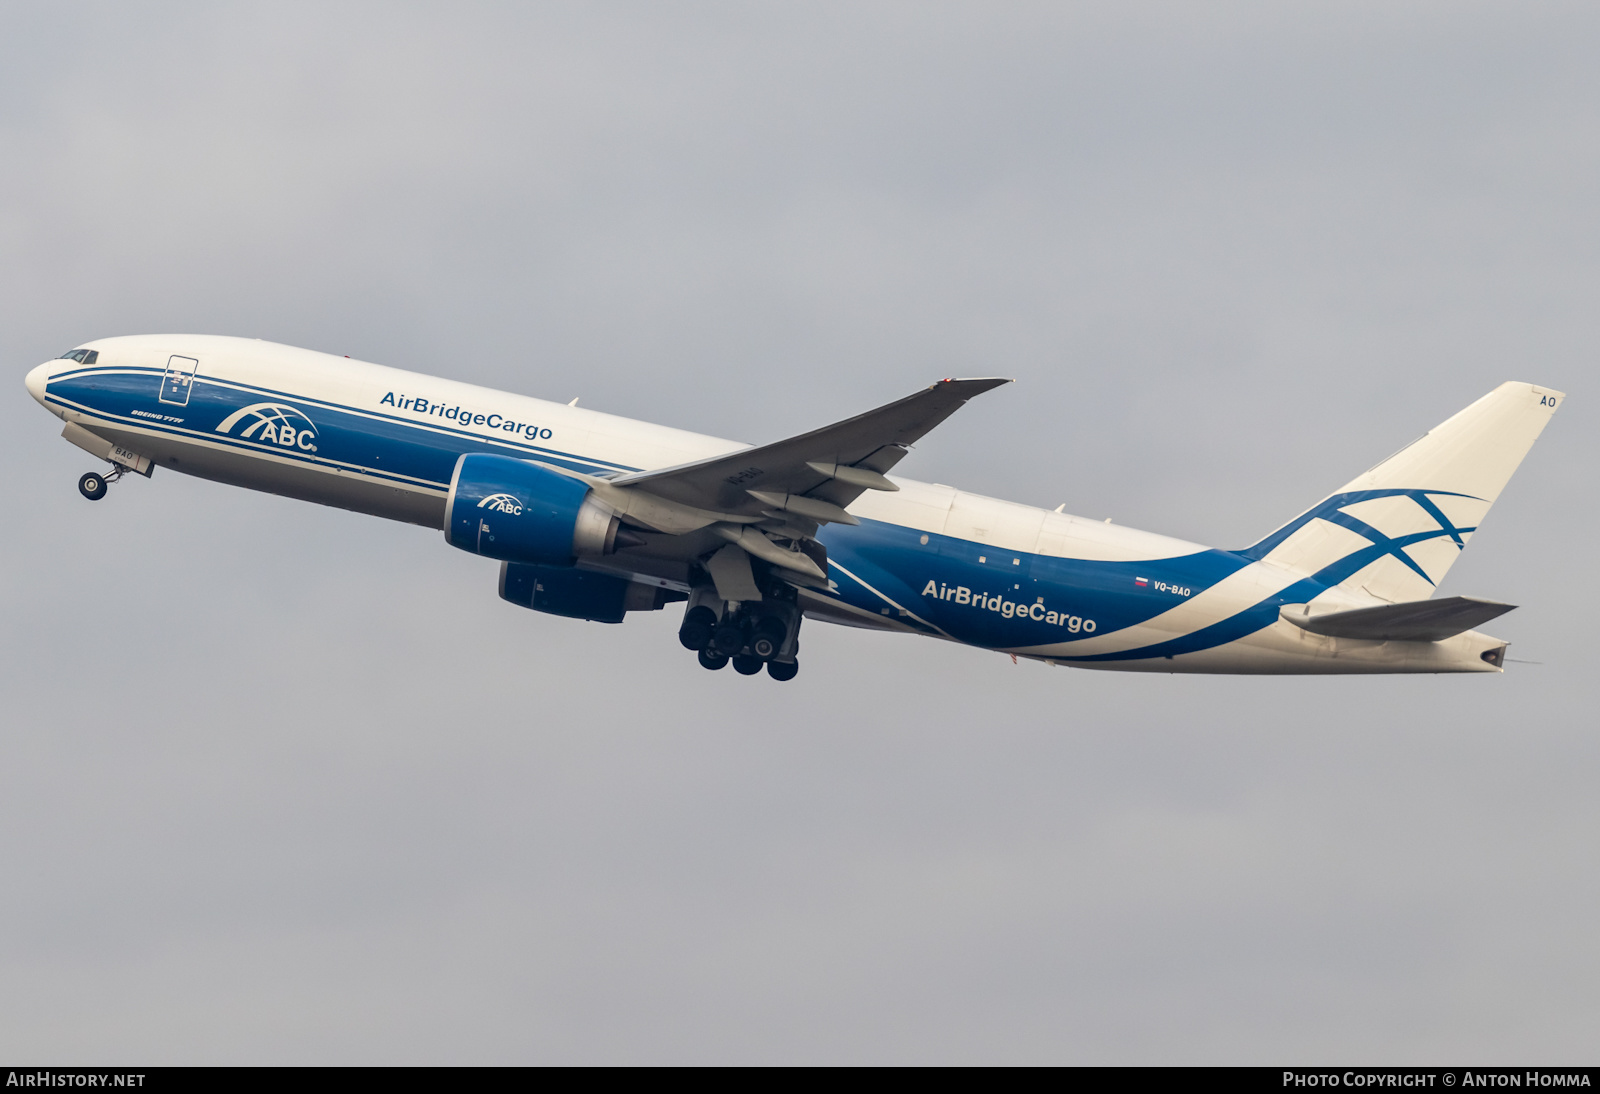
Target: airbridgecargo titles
{"type": "Point", "coordinates": [592, 516]}
{"type": "Point", "coordinates": [1010, 609]}
{"type": "Point", "coordinates": [465, 416]}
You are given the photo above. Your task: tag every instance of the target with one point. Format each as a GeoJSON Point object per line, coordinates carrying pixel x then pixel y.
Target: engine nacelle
{"type": "Point", "coordinates": [516, 511]}
{"type": "Point", "coordinates": [579, 593]}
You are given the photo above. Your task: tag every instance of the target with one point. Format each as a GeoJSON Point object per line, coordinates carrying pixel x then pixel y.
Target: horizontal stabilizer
{"type": "Point", "coordinates": [1416, 621]}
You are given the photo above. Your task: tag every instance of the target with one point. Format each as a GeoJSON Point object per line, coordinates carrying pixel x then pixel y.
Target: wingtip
{"type": "Point", "coordinates": [987, 382]}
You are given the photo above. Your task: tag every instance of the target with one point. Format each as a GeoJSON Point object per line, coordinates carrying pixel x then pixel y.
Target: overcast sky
{"type": "Point", "coordinates": [283, 784]}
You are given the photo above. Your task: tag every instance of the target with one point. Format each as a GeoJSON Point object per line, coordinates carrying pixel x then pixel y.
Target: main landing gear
{"type": "Point", "coordinates": [754, 635]}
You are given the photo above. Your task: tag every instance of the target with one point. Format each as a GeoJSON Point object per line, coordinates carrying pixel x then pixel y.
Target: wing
{"type": "Point", "coordinates": [766, 502]}
{"type": "Point", "coordinates": [1416, 621]}
{"type": "Point", "coordinates": [815, 474]}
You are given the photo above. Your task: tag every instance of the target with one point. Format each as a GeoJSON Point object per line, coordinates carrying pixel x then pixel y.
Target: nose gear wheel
{"type": "Point", "coordinates": [93, 485]}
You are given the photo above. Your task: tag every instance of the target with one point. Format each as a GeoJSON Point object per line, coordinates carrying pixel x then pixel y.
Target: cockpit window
{"type": "Point", "coordinates": [82, 356]}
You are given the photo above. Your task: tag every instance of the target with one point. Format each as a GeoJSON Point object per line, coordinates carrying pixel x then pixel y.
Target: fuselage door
{"type": "Point", "coordinates": [178, 380]}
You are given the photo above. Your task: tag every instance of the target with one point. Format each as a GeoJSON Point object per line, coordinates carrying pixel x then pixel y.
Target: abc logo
{"type": "Point", "coordinates": [502, 503]}
{"type": "Point", "coordinates": [274, 424]}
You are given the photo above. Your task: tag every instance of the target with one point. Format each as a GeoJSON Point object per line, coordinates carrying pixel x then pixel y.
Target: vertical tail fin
{"type": "Point", "coordinates": [1397, 529]}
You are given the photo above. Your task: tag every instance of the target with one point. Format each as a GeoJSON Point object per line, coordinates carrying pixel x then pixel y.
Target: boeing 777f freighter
{"type": "Point", "coordinates": [593, 516]}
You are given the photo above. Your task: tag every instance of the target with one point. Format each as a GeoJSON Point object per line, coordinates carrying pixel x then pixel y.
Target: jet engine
{"type": "Point", "coordinates": [578, 593]}
{"type": "Point", "coordinates": [505, 508]}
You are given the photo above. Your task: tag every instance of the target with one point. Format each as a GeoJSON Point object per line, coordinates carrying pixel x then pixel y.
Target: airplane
{"type": "Point", "coordinates": [593, 516]}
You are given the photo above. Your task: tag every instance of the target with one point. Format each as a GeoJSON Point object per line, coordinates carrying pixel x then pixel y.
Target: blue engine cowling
{"type": "Point", "coordinates": [516, 511]}
{"type": "Point", "coordinates": [579, 593]}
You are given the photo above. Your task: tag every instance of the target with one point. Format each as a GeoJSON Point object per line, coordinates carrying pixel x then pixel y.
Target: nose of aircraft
{"type": "Point", "coordinates": [36, 381]}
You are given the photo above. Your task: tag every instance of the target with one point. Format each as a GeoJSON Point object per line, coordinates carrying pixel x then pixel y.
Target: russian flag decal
{"type": "Point", "coordinates": [1141, 581]}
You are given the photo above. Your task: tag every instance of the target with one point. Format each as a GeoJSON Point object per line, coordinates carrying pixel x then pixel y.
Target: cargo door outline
{"type": "Point", "coordinates": [178, 380]}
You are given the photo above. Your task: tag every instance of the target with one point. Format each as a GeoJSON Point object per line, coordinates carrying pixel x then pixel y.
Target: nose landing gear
{"type": "Point", "coordinates": [93, 485]}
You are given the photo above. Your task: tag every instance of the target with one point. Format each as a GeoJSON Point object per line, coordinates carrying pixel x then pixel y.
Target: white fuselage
{"type": "Point", "coordinates": [380, 440]}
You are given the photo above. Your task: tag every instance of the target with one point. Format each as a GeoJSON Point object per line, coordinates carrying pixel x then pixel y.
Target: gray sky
{"type": "Point", "coordinates": [284, 784]}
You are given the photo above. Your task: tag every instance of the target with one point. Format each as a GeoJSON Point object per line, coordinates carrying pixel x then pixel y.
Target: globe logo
{"type": "Point", "coordinates": [502, 503]}
{"type": "Point", "coordinates": [274, 424]}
